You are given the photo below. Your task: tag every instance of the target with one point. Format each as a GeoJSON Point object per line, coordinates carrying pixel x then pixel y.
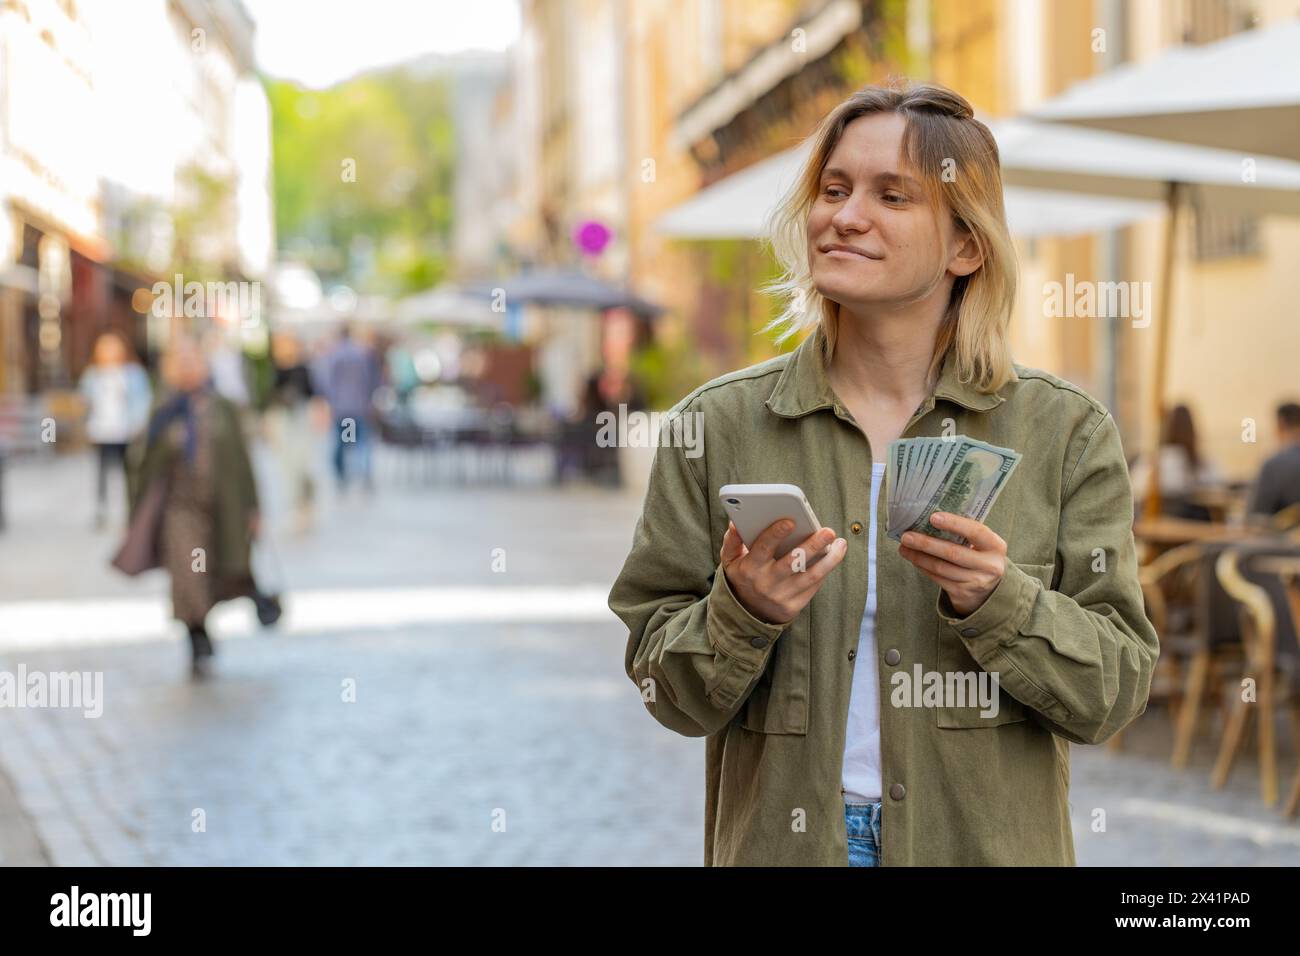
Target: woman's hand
{"type": "Point", "coordinates": [773, 589]}
{"type": "Point", "coordinates": [968, 573]}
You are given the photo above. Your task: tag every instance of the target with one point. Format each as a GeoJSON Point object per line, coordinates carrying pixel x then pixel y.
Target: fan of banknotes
{"type": "Point", "coordinates": [957, 474]}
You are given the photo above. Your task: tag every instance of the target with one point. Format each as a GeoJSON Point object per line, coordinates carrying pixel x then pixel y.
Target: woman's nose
{"type": "Point", "coordinates": [852, 216]}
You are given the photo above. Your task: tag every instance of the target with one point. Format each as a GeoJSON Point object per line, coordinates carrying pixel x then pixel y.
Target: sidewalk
{"type": "Point", "coordinates": [471, 709]}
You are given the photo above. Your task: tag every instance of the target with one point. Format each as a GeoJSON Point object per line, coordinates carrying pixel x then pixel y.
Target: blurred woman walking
{"type": "Point", "coordinates": [117, 394]}
{"type": "Point", "coordinates": [194, 454]}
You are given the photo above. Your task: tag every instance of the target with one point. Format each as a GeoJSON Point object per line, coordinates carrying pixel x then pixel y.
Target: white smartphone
{"type": "Point", "coordinates": [753, 508]}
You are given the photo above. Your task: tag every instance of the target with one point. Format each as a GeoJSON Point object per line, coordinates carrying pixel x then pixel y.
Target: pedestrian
{"type": "Point", "coordinates": [194, 445]}
{"type": "Point", "coordinates": [806, 676]}
{"type": "Point", "coordinates": [352, 377]}
{"type": "Point", "coordinates": [117, 394]}
{"type": "Point", "coordinates": [290, 428]}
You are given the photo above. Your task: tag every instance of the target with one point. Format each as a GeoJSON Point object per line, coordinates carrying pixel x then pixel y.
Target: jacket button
{"type": "Point", "coordinates": [897, 791]}
{"type": "Point", "coordinates": [759, 642]}
{"type": "Point", "coordinates": [969, 631]}
{"type": "Point", "coordinates": [856, 527]}
{"type": "Point", "coordinates": [892, 656]}
{"type": "Point", "coordinates": [853, 652]}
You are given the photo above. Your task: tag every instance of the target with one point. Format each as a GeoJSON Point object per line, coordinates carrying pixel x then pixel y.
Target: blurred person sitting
{"type": "Point", "coordinates": [1278, 484]}
{"type": "Point", "coordinates": [194, 443]}
{"type": "Point", "coordinates": [117, 393]}
{"type": "Point", "coordinates": [289, 425]}
{"type": "Point", "coordinates": [352, 377]}
{"type": "Point", "coordinates": [1183, 469]}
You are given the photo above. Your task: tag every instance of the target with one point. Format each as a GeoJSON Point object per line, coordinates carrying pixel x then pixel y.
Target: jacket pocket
{"type": "Point", "coordinates": [779, 702]}
{"type": "Point", "coordinates": [954, 659]}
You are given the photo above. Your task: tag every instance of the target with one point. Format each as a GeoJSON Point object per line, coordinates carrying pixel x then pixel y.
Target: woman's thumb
{"type": "Point", "coordinates": [732, 546]}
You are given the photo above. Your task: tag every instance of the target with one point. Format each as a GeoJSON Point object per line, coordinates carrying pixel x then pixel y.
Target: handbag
{"type": "Point", "coordinates": [140, 551]}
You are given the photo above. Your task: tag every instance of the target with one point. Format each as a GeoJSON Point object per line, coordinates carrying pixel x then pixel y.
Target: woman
{"type": "Point", "coordinates": [194, 443]}
{"type": "Point", "coordinates": [117, 395]}
{"type": "Point", "coordinates": [821, 748]}
{"type": "Point", "coordinates": [290, 428]}
{"type": "Point", "coordinates": [1183, 469]}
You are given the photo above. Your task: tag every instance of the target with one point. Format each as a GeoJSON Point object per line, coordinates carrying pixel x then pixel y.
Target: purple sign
{"type": "Point", "coordinates": [592, 237]}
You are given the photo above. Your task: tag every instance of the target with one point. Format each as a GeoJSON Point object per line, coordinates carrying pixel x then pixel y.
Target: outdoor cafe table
{"type": "Point", "coordinates": [1164, 532]}
{"type": "Point", "coordinates": [1220, 500]}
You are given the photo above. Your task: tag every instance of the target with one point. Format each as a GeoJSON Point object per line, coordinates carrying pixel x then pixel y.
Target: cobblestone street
{"type": "Point", "coordinates": [492, 721]}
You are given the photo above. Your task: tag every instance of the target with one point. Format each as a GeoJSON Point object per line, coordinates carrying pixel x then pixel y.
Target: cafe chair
{"type": "Point", "coordinates": [1288, 519]}
{"type": "Point", "coordinates": [1291, 581]}
{"type": "Point", "coordinates": [1272, 657]}
{"type": "Point", "coordinates": [1196, 647]}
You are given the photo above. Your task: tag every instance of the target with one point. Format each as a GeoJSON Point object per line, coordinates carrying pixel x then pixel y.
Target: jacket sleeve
{"type": "Point", "coordinates": [1080, 656]}
{"type": "Point", "coordinates": [693, 650]}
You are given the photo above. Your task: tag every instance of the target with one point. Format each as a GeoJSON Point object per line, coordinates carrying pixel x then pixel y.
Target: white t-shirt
{"type": "Point", "coordinates": [861, 774]}
{"type": "Point", "coordinates": [109, 421]}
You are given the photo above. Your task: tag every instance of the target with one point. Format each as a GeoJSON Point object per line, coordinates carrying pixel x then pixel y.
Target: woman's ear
{"type": "Point", "coordinates": [968, 257]}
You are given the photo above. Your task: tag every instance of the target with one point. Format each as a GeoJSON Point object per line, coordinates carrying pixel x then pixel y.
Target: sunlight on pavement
{"type": "Point", "coordinates": [32, 625]}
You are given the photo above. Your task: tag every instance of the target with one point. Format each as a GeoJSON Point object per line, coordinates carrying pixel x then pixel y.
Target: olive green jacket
{"type": "Point", "coordinates": [1065, 630]}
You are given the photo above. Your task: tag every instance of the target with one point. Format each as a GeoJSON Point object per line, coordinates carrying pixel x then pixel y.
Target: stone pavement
{"type": "Point", "coordinates": [378, 728]}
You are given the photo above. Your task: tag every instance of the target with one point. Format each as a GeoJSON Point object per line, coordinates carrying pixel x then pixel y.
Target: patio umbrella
{"type": "Point", "coordinates": [728, 210]}
{"type": "Point", "coordinates": [1241, 93]}
{"type": "Point", "coordinates": [449, 306]}
{"type": "Point", "coordinates": [567, 287]}
{"type": "Point", "coordinates": [1059, 180]}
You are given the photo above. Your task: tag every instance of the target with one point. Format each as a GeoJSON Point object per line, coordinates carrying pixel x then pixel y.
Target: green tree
{"type": "Point", "coordinates": [363, 178]}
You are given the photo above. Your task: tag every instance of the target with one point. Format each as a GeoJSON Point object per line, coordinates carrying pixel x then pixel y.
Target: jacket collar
{"type": "Point", "coordinates": [803, 385]}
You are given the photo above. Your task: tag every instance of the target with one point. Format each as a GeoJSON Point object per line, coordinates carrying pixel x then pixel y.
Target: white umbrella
{"type": "Point", "coordinates": [1049, 156]}
{"type": "Point", "coordinates": [449, 306]}
{"type": "Point", "coordinates": [1241, 93]}
{"type": "Point", "coordinates": [727, 209]}
{"type": "Point", "coordinates": [1115, 179]}
{"type": "Point", "coordinates": [1059, 181]}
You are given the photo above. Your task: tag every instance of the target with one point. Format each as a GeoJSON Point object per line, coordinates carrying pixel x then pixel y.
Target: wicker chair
{"type": "Point", "coordinates": [1269, 636]}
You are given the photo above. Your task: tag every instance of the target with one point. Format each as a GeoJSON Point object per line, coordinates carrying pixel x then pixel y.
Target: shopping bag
{"type": "Point", "coordinates": [140, 551]}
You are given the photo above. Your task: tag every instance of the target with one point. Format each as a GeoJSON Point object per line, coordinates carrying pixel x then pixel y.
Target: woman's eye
{"type": "Point", "coordinates": [894, 199]}
{"type": "Point", "coordinates": [834, 192]}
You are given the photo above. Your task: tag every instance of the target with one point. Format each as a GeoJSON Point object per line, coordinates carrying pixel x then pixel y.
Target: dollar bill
{"type": "Point", "coordinates": [956, 474]}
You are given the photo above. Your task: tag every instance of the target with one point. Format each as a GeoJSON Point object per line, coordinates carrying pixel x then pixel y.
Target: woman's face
{"type": "Point", "coordinates": [185, 367]}
{"type": "Point", "coordinates": [901, 250]}
{"type": "Point", "coordinates": [109, 350]}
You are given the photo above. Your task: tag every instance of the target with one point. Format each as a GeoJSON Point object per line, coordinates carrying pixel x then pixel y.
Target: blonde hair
{"type": "Point", "coordinates": [942, 135]}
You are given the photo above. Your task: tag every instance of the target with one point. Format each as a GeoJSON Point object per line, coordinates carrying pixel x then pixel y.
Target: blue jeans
{"type": "Point", "coordinates": [862, 822]}
{"type": "Point", "coordinates": [357, 449]}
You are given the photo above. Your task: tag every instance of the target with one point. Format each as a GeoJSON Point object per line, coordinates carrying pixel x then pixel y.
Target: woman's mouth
{"type": "Point", "coordinates": [847, 252]}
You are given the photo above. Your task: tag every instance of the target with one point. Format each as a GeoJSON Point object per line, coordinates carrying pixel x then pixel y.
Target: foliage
{"type": "Point", "coordinates": [363, 178]}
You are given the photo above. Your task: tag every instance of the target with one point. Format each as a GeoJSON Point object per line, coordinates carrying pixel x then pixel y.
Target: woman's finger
{"type": "Point", "coordinates": [732, 546]}
{"type": "Point", "coordinates": [766, 543]}
{"type": "Point", "coordinates": [949, 551]}
{"type": "Point", "coordinates": [809, 551]}
{"type": "Point", "coordinates": [953, 574]}
{"type": "Point", "coordinates": [811, 578]}
{"type": "Point", "coordinates": [980, 535]}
